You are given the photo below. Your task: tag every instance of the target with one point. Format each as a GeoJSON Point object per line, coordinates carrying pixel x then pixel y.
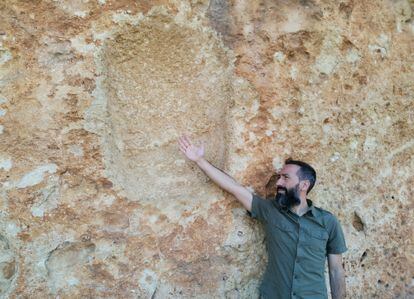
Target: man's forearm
{"type": "Point", "coordinates": [226, 182]}
{"type": "Point", "coordinates": [337, 282]}
{"type": "Point", "coordinates": [217, 176]}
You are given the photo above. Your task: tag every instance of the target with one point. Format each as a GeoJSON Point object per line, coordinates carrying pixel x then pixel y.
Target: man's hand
{"type": "Point", "coordinates": [192, 152]}
{"type": "Point", "coordinates": [223, 180]}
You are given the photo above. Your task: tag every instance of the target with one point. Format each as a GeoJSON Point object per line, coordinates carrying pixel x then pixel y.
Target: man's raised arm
{"type": "Point", "coordinates": [226, 182]}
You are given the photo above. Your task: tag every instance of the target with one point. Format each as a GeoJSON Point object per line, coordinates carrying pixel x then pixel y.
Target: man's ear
{"type": "Point", "coordinates": [304, 185]}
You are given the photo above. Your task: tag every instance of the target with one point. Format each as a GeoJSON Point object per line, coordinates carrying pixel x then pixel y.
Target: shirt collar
{"type": "Point", "coordinates": [312, 209]}
{"type": "Point", "coordinates": [315, 212]}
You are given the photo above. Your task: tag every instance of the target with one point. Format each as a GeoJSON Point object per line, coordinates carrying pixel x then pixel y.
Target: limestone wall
{"type": "Point", "coordinates": [96, 201]}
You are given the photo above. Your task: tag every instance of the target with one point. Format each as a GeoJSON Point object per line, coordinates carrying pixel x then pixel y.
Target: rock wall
{"type": "Point", "coordinates": [96, 200]}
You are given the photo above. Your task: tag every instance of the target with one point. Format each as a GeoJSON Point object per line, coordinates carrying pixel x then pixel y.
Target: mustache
{"type": "Point", "coordinates": [279, 188]}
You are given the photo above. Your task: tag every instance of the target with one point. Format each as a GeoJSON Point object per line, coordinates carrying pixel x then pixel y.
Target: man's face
{"type": "Point", "coordinates": [288, 193]}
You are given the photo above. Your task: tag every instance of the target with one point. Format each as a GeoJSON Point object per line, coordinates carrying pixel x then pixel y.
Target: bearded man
{"type": "Point", "coordinates": [299, 236]}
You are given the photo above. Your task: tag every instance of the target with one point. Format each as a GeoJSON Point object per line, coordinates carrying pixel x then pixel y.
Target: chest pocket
{"type": "Point", "coordinates": [280, 231]}
{"type": "Point", "coordinates": [316, 239]}
{"type": "Point", "coordinates": [280, 225]}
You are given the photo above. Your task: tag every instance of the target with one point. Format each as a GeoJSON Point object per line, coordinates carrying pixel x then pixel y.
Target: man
{"type": "Point", "coordinates": [299, 235]}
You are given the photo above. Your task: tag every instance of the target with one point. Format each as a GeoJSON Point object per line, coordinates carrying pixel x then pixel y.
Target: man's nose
{"type": "Point", "coordinates": [279, 182]}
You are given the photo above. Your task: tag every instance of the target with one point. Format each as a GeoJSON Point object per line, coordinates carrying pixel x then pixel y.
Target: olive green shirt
{"type": "Point", "coordinates": [297, 249]}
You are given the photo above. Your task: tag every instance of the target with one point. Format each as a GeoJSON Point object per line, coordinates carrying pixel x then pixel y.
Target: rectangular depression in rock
{"type": "Point", "coordinates": [163, 79]}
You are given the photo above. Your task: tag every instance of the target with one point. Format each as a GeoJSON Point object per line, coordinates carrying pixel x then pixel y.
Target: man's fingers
{"type": "Point", "coordinates": [184, 140]}
{"type": "Point", "coordinates": [187, 140]}
{"type": "Point", "coordinates": [183, 150]}
{"type": "Point", "coordinates": [181, 143]}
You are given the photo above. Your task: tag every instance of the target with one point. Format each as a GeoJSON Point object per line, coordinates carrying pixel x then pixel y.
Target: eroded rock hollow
{"type": "Point", "coordinates": [163, 79]}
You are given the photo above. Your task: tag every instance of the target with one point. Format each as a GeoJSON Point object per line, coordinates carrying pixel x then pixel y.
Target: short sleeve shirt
{"type": "Point", "coordinates": [297, 248]}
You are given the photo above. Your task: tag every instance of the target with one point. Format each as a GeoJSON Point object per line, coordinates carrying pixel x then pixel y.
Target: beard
{"type": "Point", "coordinates": [289, 198]}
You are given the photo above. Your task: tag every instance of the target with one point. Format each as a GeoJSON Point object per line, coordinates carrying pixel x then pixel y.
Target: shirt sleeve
{"type": "Point", "coordinates": [260, 208]}
{"type": "Point", "coordinates": [336, 241]}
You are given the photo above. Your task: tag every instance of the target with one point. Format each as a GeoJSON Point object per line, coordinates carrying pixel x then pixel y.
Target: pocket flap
{"type": "Point", "coordinates": [322, 235]}
{"type": "Point", "coordinates": [282, 226]}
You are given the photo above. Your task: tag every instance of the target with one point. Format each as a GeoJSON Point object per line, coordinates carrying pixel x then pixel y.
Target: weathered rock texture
{"type": "Point", "coordinates": [96, 200]}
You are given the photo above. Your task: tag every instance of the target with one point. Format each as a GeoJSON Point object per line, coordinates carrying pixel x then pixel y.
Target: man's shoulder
{"type": "Point", "coordinates": [324, 213]}
{"type": "Point", "coordinates": [329, 220]}
{"type": "Point", "coordinates": [264, 199]}
{"type": "Point", "coordinates": [262, 208]}
{"type": "Point", "coordinates": [269, 203]}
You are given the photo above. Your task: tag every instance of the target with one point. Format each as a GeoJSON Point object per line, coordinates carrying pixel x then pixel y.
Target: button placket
{"type": "Point", "coordinates": [294, 278]}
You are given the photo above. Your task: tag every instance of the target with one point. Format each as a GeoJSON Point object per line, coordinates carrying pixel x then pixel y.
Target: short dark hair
{"type": "Point", "coordinates": [305, 172]}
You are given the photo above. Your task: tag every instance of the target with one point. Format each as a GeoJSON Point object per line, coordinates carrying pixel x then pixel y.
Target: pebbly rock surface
{"type": "Point", "coordinates": [96, 201]}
